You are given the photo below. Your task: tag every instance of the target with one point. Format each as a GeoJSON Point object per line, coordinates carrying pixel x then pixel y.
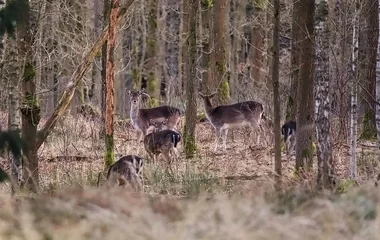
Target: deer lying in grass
{"type": "Point", "coordinates": [126, 170]}
{"type": "Point", "coordinates": [140, 117]}
{"type": "Point", "coordinates": [160, 140]}
{"type": "Point", "coordinates": [236, 115]}
{"type": "Point", "coordinates": [288, 130]}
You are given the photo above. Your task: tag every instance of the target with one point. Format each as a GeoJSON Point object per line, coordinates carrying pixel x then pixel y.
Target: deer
{"type": "Point", "coordinates": [288, 130]}
{"type": "Point", "coordinates": [225, 117]}
{"type": "Point", "coordinates": [140, 117]}
{"type": "Point", "coordinates": [126, 170]}
{"type": "Point", "coordinates": [161, 140]}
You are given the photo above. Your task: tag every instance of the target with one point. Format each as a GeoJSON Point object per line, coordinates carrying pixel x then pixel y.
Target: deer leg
{"type": "Point", "coordinates": [168, 166]}
{"type": "Point", "coordinates": [217, 136]}
{"type": "Point", "coordinates": [225, 139]}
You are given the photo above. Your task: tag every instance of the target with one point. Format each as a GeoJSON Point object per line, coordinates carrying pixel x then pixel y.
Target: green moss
{"type": "Point", "coordinates": [260, 4]}
{"type": "Point", "coordinates": [109, 155]}
{"type": "Point", "coordinates": [345, 185]}
{"type": "Point", "coordinates": [29, 72]}
{"type": "Point", "coordinates": [190, 145]}
{"type": "Point", "coordinates": [152, 102]}
{"type": "Point", "coordinates": [368, 128]}
{"type": "Point", "coordinates": [152, 83]}
{"type": "Point", "coordinates": [135, 78]}
{"type": "Point", "coordinates": [207, 4]}
{"type": "Point", "coordinates": [307, 153]}
{"type": "Point", "coordinates": [289, 108]}
{"type": "Point", "coordinates": [224, 91]}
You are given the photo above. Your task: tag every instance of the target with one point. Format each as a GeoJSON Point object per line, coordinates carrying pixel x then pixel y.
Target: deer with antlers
{"type": "Point", "coordinates": [225, 117]}
{"type": "Point", "coordinates": [141, 117]}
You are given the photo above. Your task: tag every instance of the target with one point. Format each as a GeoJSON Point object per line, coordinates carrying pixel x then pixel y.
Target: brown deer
{"type": "Point", "coordinates": [126, 170]}
{"type": "Point", "coordinates": [224, 117]}
{"type": "Point", "coordinates": [140, 117]}
{"type": "Point", "coordinates": [161, 141]}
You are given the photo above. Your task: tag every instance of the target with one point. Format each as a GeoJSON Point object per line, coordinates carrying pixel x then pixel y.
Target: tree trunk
{"type": "Point", "coordinates": [11, 72]}
{"type": "Point", "coordinates": [354, 100]}
{"type": "Point", "coordinates": [30, 109]}
{"type": "Point", "coordinates": [276, 94]}
{"type": "Point", "coordinates": [305, 95]}
{"type": "Point", "coordinates": [96, 74]}
{"type": "Point", "coordinates": [257, 48]}
{"type": "Point", "coordinates": [291, 110]}
{"type": "Point", "coordinates": [153, 84]}
{"type": "Point", "coordinates": [378, 83]}
{"type": "Point", "coordinates": [103, 72]}
{"type": "Point", "coordinates": [110, 79]}
{"type": "Point", "coordinates": [322, 100]}
{"type": "Point", "coordinates": [190, 22]}
{"type": "Point", "coordinates": [368, 78]}
{"type": "Point", "coordinates": [205, 42]}
{"type": "Point", "coordinates": [218, 61]}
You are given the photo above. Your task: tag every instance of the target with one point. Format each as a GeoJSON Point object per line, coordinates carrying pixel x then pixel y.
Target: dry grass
{"type": "Point", "coordinates": [213, 196]}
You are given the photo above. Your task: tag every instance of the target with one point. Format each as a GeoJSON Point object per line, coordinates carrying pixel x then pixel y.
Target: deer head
{"type": "Point", "coordinates": [136, 95]}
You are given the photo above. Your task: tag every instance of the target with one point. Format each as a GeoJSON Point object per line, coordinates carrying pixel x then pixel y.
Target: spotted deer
{"type": "Point", "coordinates": [225, 117]}
{"type": "Point", "coordinates": [126, 171]}
{"type": "Point", "coordinates": [140, 117]}
{"type": "Point", "coordinates": [160, 140]}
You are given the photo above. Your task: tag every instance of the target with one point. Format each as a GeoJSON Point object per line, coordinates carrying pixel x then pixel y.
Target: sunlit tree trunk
{"type": "Point", "coordinates": [354, 100]}
{"type": "Point", "coordinates": [110, 80]}
{"type": "Point", "coordinates": [322, 100]}
{"type": "Point", "coordinates": [276, 94]}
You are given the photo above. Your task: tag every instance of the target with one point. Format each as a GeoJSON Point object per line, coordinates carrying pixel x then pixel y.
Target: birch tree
{"type": "Point", "coordinates": [322, 99]}
{"type": "Point", "coordinates": [354, 100]}
{"type": "Point", "coordinates": [276, 94]}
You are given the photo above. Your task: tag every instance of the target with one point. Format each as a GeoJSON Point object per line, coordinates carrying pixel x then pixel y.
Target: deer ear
{"type": "Point", "coordinates": [152, 122]}
{"type": "Point", "coordinates": [128, 91]}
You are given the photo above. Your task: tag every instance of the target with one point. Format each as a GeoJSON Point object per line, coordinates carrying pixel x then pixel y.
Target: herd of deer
{"type": "Point", "coordinates": [157, 129]}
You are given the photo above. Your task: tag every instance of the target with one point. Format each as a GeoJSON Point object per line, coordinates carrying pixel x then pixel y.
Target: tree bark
{"type": "Point", "coordinates": [367, 73]}
{"type": "Point", "coordinates": [291, 110]}
{"type": "Point", "coordinates": [190, 8]}
{"type": "Point", "coordinates": [110, 80]}
{"type": "Point", "coordinates": [378, 81]}
{"type": "Point", "coordinates": [218, 58]}
{"type": "Point", "coordinates": [305, 95]}
{"type": "Point", "coordinates": [276, 94]}
{"type": "Point", "coordinates": [322, 100]}
{"type": "Point", "coordinates": [150, 66]}
{"type": "Point", "coordinates": [354, 100]}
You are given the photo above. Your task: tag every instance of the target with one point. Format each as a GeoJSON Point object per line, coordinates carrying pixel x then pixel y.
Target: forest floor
{"type": "Point", "coordinates": [212, 196]}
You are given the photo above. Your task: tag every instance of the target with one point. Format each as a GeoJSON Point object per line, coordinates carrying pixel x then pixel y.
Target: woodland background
{"type": "Point", "coordinates": [175, 49]}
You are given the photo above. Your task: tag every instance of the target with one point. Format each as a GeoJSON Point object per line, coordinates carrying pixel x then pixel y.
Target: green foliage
{"type": "Point", "coordinates": [189, 143]}
{"type": "Point", "coordinates": [207, 4]}
{"type": "Point", "coordinates": [12, 14]}
{"type": "Point", "coordinates": [110, 155]}
{"type": "Point", "coordinates": [224, 91]}
{"type": "Point", "coordinates": [345, 185]}
{"type": "Point", "coordinates": [368, 129]}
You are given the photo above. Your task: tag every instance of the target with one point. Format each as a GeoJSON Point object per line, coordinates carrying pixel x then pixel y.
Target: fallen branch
{"type": "Point", "coordinates": [77, 76]}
